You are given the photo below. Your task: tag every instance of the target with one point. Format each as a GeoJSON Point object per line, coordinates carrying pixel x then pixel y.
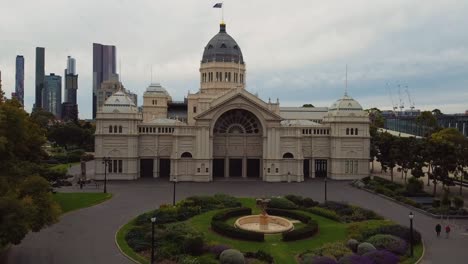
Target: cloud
{"type": "Point", "coordinates": [296, 51]}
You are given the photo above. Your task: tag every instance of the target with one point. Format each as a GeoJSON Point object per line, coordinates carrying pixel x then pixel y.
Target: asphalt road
{"type": "Point", "coordinates": [87, 235]}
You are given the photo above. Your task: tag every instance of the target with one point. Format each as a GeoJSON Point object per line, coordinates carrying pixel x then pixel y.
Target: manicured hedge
{"type": "Point", "coordinates": [219, 225]}
{"type": "Point", "coordinates": [304, 232]}
{"type": "Point", "coordinates": [291, 214]}
{"type": "Point", "coordinates": [325, 213]}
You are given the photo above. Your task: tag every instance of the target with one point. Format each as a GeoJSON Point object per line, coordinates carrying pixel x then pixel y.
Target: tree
{"type": "Point", "coordinates": [387, 152]}
{"type": "Point", "coordinates": [43, 118]}
{"type": "Point", "coordinates": [25, 199]}
{"type": "Point", "coordinates": [437, 112]}
{"type": "Point", "coordinates": [427, 121]}
{"type": "Point", "coordinates": [376, 118]}
{"type": "Point", "coordinates": [308, 105]}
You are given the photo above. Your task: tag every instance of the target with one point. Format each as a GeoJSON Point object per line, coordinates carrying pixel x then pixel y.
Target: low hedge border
{"type": "Point", "coordinates": [332, 215]}
{"type": "Point", "coordinates": [310, 229]}
{"type": "Point", "coordinates": [219, 225]}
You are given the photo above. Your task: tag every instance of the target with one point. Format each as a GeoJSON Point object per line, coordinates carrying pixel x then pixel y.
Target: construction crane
{"type": "Point", "coordinates": [411, 102]}
{"type": "Point", "coordinates": [391, 98]}
{"type": "Point", "coordinates": [402, 106]}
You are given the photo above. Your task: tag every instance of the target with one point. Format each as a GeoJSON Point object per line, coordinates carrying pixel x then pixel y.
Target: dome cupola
{"type": "Point", "coordinates": [346, 106]}
{"type": "Point", "coordinates": [222, 48]}
{"type": "Point", "coordinates": [119, 102]}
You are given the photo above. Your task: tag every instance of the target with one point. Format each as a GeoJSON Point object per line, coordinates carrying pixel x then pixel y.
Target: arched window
{"type": "Point", "coordinates": [352, 131]}
{"type": "Point", "coordinates": [223, 46]}
{"type": "Point", "coordinates": [115, 129]}
{"type": "Point", "coordinates": [355, 131]}
{"type": "Point", "coordinates": [347, 131]}
{"type": "Point", "coordinates": [210, 46]}
{"type": "Point", "coordinates": [110, 129]}
{"type": "Point", "coordinates": [186, 155]}
{"type": "Point", "coordinates": [237, 121]}
{"type": "Point", "coordinates": [288, 155]}
{"type": "Point", "coordinates": [120, 129]}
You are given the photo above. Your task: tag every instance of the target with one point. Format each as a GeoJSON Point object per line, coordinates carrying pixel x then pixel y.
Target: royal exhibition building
{"type": "Point", "coordinates": [224, 131]}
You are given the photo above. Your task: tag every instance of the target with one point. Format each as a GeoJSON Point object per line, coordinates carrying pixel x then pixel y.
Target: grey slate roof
{"type": "Point", "coordinates": [222, 47]}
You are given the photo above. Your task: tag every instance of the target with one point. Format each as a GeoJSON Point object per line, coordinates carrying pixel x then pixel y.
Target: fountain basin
{"type": "Point", "coordinates": [264, 224]}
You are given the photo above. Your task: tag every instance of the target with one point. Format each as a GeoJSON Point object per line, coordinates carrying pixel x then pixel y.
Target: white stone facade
{"type": "Point", "coordinates": [225, 131]}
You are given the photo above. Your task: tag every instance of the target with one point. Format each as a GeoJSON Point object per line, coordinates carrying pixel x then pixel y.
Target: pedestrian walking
{"type": "Point", "coordinates": [438, 228]}
{"type": "Point", "coordinates": [447, 231]}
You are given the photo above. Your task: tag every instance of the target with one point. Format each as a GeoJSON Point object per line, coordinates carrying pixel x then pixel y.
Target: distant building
{"type": "Point", "coordinates": [104, 67]}
{"type": "Point", "coordinates": [52, 95]}
{"type": "Point", "coordinates": [70, 106]}
{"type": "Point", "coordinates": [40, 73]}
{"type": "Point", "coordinates": [19, 85]}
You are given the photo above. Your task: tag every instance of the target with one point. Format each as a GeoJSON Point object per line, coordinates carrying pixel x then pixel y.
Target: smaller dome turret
{"type": "Point", "coordinates": [119, 102]}
{"type": "Point", "coordinates": [346, 106]}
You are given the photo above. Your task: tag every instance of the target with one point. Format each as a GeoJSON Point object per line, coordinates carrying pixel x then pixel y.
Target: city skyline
{"type": "Point", "coordinates": [306, 53]}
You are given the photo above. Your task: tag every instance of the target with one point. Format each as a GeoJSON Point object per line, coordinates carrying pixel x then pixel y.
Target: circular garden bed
{"type": "Point", "coordinates": [200, 228]}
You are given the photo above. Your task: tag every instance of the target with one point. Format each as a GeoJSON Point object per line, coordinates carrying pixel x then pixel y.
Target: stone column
{"type": "Point", "coordinates": [155, 168]}
{"type": "Point", "coordinates": [244, 167]}
{"type": "Point", "coordinates": [226, 167]}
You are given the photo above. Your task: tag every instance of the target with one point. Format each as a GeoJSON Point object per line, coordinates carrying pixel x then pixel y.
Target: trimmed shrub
{"type": "Point", "coordinates": [336, 250]}
{"type": "Point", "coordinates": [227, 201]}
{"type": "Point", "coordinates": [352, 244]}
{"type": "Point", "coordinates": [365, 247]}
{"type": "Point", "coordinates": [193, 245]}
{"type": "Point", "coordinates": [414, 186]}
{"type": "Point", "coordinates": [301, 201]}
{"type": "Point", "coordinates": [219, 225]}
{"type": "Point", "coordinates": [382, 257]}
{"type": "Point", "coordinates": [355, 259]}
{"type": "Point", "coordinates": [362, 230]}
{"type": "Point", "coordinates": [290, 214]}
{"type": "Point", "coordinates": [323, 260]}
{"type": "Point", "coordinates": [389, 242]}
{"type": "Point", "coordinates": [304, 232]}
{"type": "Point", "coordinates": [324, 213]}
{"type": "Point", "coordinates": [402, 232]}
{"type": "Point", "coordinates": [436, 203]}
{"type": "Point", "coordinates": [136, 239]}
{"type": "Point", "coordinates": [217, 249]}
{"type": "Point", "coordinates": [281, 203]}
{"type": "Point", "coordinates": [231, 256]}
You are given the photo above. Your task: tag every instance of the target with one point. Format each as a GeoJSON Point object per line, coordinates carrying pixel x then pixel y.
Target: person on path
{"type": "Point", "coordinates": [447, 231]}
{"type": "Point", "coordinates": [438, 228]}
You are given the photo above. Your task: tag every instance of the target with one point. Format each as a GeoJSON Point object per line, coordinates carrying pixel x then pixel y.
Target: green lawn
{"type": "Point", "coordinates": [74, 201]}
{"type": "Point", "coordinates": [63, 167]}
{"type": "Point", "coordinates": [283, 252]}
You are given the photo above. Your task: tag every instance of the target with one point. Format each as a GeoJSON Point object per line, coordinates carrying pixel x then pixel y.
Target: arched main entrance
{"type": "Point", "coordinates": [237, 145]}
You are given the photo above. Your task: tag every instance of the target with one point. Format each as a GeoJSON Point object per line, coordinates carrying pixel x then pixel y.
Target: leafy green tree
{"type": "Point", "coordinates": [427, 122]}
{"type": "Point", "coordinates": [387, 152]}
{"type": "Point", "coordinates": [25, 199]}
{"type": "Point", "coordinates": [43, 118]}
{"type": "Point", "coordinates": [376, 118]}
{"type": "Point", "coordinates": [308, 105]}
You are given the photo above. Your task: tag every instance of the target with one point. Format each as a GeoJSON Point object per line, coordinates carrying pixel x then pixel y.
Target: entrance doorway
{"type": "Point", "coordinates": [253, 168]}
{"type": "Point", "coordinates": [320, 168]}
{"type": "Point", "coordinates": [235, 167]}
{"type": "Point", "coordinates": [164, 168]}
{"type": "Point", "coordinates": [146, 168]}
{"type": "Point", "coordinates": [218, 168]}
{"type": "Point", "coordinates": [306, 168]}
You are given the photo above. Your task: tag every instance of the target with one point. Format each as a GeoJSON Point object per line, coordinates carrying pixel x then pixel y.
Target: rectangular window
{"type": "Point", "coordinates": [120, 166]}
{"type": "Point", "coordinates": [115, 165]}
{"type": "Point", "coordinates": [206, 169]}
{"type": "Point", "coordinates": [346, 166]}
{"type": "Point", "coordinates": [355, 167]}
{"type": "Point", "coordinates": [109, 166]}
{"type": "Point", "coordinates": [194, 109]}
{"type": "Point", "coordinates": [277, 170]}
{"type": "Point", "coordinates": [198, 169]}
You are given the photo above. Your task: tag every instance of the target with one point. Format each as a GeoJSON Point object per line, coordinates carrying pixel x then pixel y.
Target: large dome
{"type": "Point", "coordinates": [222, 48]}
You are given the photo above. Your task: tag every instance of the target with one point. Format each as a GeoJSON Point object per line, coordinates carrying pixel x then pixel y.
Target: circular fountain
{"type": "Point", "coordinates": [264, 223]}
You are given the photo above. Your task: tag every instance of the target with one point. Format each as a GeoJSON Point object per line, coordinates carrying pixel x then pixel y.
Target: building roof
{"type": "Point", "coordinates": [298, 123]}
{"type": "Point", "coordinates": [156, 88]}
{"type": "Point", "coordinates": [164, 121]}
{"type": "Point", "coordinates": [119, 102]}
{"type": "Point", "coordinates": [346, 106]}
{"type": "Point", "coordinates": [303, 113]}
{"type": "Point", "coordinates": [222, 48]}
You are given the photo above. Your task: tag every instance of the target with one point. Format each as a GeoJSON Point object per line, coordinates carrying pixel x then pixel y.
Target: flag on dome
{"type": "Point", "coordinates": [218, 5]}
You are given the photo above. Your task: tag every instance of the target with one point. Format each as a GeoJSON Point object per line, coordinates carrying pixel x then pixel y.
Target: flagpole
{"type": "Point", "coordinates": [222, 12]}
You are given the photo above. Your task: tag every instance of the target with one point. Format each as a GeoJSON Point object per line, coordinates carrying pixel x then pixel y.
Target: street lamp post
{"type": "Point", "coordinates": [153, 220]}
{"type": "Point", "coordinates": [411, 216]}
{"type": "Point", "coordinates": [174, 182]}
{"type": "Point", "coordinates": [106, 161]}
{"type": "Point", "coordinates": [325, 189]}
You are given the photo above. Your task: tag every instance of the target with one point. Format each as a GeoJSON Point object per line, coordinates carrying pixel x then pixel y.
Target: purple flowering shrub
{"type": "Point", "coordinates": [382, 257]}
{"type": "Point", "coordinates": [389, 242]}
{"type": "Point", "coordinates": [355, 259]}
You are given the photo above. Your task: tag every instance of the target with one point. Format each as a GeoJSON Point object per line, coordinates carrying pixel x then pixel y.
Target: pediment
{"type": "Point", "coordinates": [240, 99]}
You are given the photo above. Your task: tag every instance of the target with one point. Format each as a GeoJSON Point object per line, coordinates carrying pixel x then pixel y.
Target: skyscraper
{"type": "Point", "coordinates": [19, 85]}
{"type": "Point", "coordinates": [69, 106]}
{"type": "Point", "coordinates": [40, 73]}
{"type": "Point", "coordinates": [104, 67]}
{"type": "Point", "coordinates": [71, 81]}
{"type": "Point", "coordinates": [52, 94]}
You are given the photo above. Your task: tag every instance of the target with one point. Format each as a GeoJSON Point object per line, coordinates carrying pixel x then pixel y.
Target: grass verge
{"type": "Point", "coordinates": [124, 247]}
{"type": "Point", "coordinates": [74, 201]}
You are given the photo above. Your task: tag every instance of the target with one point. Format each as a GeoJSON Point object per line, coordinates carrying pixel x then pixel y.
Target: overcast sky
{"type": "Point", "coordinates": [296, 51]}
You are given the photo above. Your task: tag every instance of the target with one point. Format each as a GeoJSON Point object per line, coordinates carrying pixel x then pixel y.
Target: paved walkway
{"type": "Point", "coordinates": [87, 235]}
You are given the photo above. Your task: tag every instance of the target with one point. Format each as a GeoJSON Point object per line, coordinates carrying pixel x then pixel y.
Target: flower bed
{"type": "Point", "coordinates": [410, 194]}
